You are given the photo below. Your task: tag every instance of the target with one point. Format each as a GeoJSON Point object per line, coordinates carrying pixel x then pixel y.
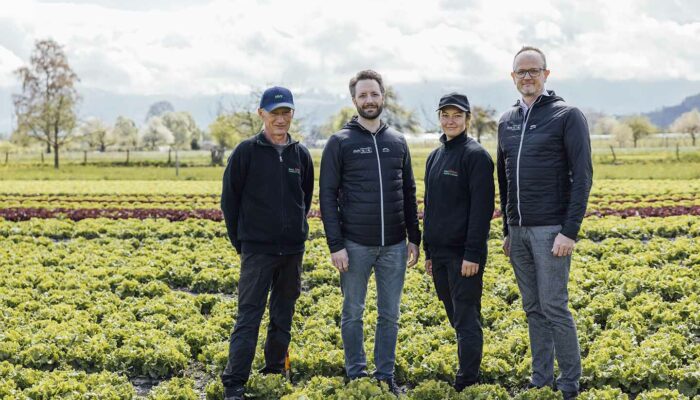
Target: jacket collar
{"type": "Point", "coordinates": [355, 125]}
{"type": "Point", "coordinates": [261, 139]}
{"type": "Point", "coordinates": [457, 141]}
{"type": "Point", "coordinates": [547, 96]}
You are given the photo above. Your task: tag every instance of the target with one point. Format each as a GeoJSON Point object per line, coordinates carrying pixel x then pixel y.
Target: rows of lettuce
{"type": "Point", "coordinates": [601, 187]}
{"type": "Point", "coordinates": [105, 300]}
{"type": "Point", "coordinates": [593, 228]}
{"type": "Point", "coordinates": [613, 194]}
{"type": "Point", "coordinates": [207, 207]}
{"type": "Point", "coordinates": [205, 194]}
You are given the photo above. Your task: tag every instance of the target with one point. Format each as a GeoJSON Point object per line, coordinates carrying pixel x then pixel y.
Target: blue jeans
{"type": "Point", "coordinates": [542, 279]}
{"type": "Point", "coordinates": [389, 264]}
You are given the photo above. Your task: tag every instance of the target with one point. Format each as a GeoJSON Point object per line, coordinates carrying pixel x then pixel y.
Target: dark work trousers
{"type": "Point", "coordinates": [462, 299]}
{"type": "Point", "coordinates": [259, 274]}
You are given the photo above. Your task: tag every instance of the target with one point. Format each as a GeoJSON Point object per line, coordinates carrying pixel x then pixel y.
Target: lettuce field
{"type": "Point", "coordinates": [127, 290]}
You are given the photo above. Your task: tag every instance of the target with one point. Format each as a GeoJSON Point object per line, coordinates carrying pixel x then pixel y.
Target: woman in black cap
{"type": "Point", "coordinates": [459, 203]}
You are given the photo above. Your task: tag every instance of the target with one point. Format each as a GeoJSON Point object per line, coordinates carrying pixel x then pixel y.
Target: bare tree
{"type": "Point", "coordinates": [45, 108]}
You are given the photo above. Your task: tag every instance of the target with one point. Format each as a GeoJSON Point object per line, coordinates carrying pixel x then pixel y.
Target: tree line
{"type": "Point", "coordinates": [45, 111]}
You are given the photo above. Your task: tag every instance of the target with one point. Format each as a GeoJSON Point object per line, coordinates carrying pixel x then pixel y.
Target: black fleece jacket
{"type": "Point", "coordinates": [266, 197]}
{"type": "Point", "coordinates": [459, 198]}
{"type": "Point", "coordinates": [544, 165]}
{"type": "Point", "coordinates": [367, 190]}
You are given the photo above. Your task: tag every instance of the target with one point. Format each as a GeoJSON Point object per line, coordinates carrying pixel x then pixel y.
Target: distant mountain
{"type": "Point", "coordinates": [665, 116]}
{"type": "Point", "coordinates": [315, 105]}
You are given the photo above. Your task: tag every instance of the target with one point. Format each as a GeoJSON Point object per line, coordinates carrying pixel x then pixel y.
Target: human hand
{"type": "Point", "coordinates": [413, 254]}
{"type": "Point", "coordinates": [506, 246]}
{"type": "Point", "coordinates": [563, 246]}
{"type": "Point", "coordinates": [469, 268]}
{"type": "Point", "coordinates": [340, 260]}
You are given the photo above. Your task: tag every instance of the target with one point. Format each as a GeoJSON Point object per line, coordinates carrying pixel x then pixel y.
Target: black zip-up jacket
{"type": "Point", "coordinates": [459, 198]}
{"type": "Point", "coordinates": [544, 165]}
{"type": "Point", "coordinates": [367, 190]}
{"type": "Point", "coordinates": [266, 197]}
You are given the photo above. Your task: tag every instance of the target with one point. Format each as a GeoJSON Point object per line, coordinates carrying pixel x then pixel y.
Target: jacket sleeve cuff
{"type": "Point", "coordinates": [569, 231]}
{"type": "Point", "coordinates": [414, 237]}
{"type": "Point", "coordinates": [505, 228]}
{"type": "Point", "coordinates": [334, 248]}
{"type": "Point", "coordinates": [472, 256]}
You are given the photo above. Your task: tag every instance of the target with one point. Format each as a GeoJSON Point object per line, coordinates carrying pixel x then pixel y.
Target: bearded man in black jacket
{"type": "Point", "coordinates": [368, 206]}
{"type": "Point", "coordinates": [545, 175]}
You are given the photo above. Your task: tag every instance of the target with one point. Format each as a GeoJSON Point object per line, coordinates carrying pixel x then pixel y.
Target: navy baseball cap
{"type": "Point", "coordinates": [276, 97]}
{"type": "Point", "coordinates": [455, 100]}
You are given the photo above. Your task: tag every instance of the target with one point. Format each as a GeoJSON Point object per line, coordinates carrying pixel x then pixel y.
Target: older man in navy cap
{"type": "Point", "coordinates": [266, 196]}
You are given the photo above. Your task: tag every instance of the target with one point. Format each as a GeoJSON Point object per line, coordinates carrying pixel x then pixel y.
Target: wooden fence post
{"type": "Point", "coordinates": [177, 164]}
{"type": "Point", "coordinates": [613, 153]}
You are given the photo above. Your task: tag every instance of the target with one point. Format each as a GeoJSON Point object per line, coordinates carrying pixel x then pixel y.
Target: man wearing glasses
{"type": "Point", "coordinates": [266, 196]}
{"type": "Point", "coordinates": [544, 175]}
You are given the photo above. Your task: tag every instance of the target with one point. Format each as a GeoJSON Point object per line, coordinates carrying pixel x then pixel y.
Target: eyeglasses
{"type": "Point", "coordinates": [534, 72]}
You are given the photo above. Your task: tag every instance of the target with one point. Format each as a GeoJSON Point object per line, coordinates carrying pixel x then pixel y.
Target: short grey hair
{"type": "Point", "coordinates": [531, 48]}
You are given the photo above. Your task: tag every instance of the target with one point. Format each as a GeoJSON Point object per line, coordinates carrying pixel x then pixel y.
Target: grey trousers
{"type": "Point", "coordinates": [542, 279]}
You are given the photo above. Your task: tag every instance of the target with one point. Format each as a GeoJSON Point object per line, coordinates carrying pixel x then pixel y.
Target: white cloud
{"type": "Point", "coordinates": [197, 47]}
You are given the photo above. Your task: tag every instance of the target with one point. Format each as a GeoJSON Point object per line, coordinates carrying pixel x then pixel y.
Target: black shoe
{"type": "Point", "coordinates": [234, 393]}
{"type": "Point", "coordinates": [362, 374]}
{"type": "Point", "coordinates": [393, 387]}
{"type": "Point", "coordinates": [271, 371]}
{"type": "Point", "coordinates": [569, 395]}
{"type": "Point", "coordinates": [531, 385]}
{"type": "Point", "coordinates": [461, 386]}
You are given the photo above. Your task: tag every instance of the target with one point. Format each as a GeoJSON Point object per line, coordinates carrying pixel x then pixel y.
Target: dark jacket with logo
{"type": "Point", "coordinates": [544, 165]}
{"type": "Point", "coordinates": [266, 197]}
{"type": "Point", "coordinates": [367, 190]}
{"type": "Point", "coordinates": [459, 198]}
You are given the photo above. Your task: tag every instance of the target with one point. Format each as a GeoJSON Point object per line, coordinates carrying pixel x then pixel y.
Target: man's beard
{"type": "Point", "coordinates": [373, 115]}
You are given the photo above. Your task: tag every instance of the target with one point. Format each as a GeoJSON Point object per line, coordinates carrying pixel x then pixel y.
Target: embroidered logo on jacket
{"type": "Point", "coordinates": [450, 172]}
{"type": "Point", "coordinates": [362, 150]}
{"type": "Point", "coordinates": [385, 150]}
{"type": "Point", "coordinates": [514, 127]}
{"type": "Point", "coordinates": [294, 171]}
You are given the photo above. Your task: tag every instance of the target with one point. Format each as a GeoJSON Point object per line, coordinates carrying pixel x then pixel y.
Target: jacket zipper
{"type": "Point", "coordinates": [520, 148]}
{"type": "Point", "coordinates": [282, 175]}
{"type": "Point", "coordinates": [381, 188]}
{"type": "Point", "coordinates": [284, 216]}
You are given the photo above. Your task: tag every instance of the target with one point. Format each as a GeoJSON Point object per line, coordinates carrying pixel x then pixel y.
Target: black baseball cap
{"type": "Point", "coordinates": [456, 100]}
{"type": "Point", "coordinates": [276, 97]}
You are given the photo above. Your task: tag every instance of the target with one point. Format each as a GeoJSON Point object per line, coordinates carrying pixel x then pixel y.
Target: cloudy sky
{"type": "Point", "coordinates": [195, 48]}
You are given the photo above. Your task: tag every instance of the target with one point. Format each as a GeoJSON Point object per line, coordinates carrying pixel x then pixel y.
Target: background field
{"type": "Point", "coordinates": [119, 282]}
